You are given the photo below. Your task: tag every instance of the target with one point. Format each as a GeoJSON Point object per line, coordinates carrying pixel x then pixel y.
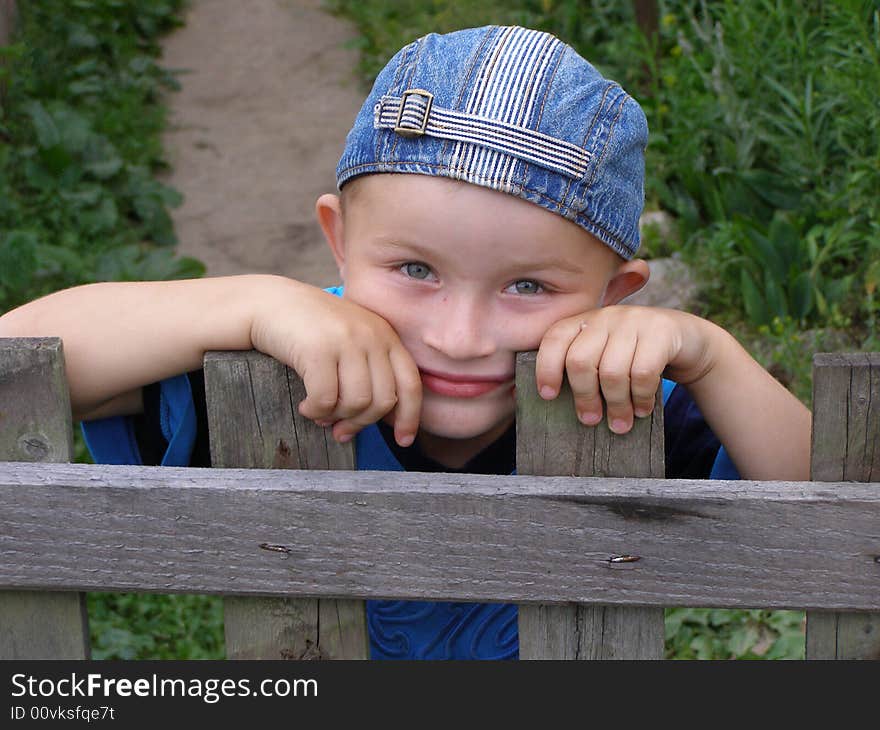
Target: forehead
{"type": "Point", "coordinates": [467, 222]}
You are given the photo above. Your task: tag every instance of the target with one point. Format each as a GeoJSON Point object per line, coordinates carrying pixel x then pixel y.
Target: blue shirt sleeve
{"type": "Point", "coordinates": [692, 450]}
{"type": "Point", "coordinates": [113, 440]}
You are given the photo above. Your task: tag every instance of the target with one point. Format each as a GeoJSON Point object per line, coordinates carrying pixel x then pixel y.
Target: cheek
{"type": "Point", "coordinates": [524, 331]}
{"type": "Point", "coordinates": [372, 292]}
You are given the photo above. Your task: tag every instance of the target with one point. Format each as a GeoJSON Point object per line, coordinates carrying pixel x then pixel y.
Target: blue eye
{"type": "Point", "coordinates": [416, 270]}
{"type": "Point", "coordinates": [527, 286]}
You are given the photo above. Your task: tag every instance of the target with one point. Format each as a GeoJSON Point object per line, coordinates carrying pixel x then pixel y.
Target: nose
{"type": "Point", "coordinates": [460, 329]}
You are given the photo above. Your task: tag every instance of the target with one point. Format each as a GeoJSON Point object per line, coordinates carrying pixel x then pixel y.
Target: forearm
{"type": "Point", "coordinates": [764, 428]}
{"type": "Point", "coordinates": [120, 336]}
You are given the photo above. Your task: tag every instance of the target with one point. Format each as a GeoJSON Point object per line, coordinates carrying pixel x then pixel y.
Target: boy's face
{"type": "Point", "coordinates": [467, 277]}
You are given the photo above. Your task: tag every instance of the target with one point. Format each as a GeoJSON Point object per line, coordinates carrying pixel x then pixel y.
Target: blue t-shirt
{"type": "Point", "coordinates": [403, 629]}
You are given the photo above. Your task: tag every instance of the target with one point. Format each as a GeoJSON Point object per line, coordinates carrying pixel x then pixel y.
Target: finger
{"type": "Point", "coordinates": [614, 380]}
{"type": "Point", "coordinates": [383, 397]}
{"type": "Point", "coordinates": [648, 364]}
{"type": "Point", "coordinates": [552, 352]}
{"type": "Point", "coordinates": [321, 382]}
{"type": "Point", "coordinates": [582, 368]}
{"type": "Point", "coordinates": [408, 410]}
{"type": "Point", "coordinates": [355, 386]}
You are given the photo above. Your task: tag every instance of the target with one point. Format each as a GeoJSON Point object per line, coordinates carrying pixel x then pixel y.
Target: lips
{"type": "Point", "coordinates": [463, 386]}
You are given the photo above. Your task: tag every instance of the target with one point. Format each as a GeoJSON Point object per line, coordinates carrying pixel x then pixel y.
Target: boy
{"type": "Point", "coordinates": [490, 193]}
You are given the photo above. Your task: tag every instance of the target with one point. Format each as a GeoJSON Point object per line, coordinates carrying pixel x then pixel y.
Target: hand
{"type": "Point", "coordinates": [353, 365]}
{"type": "Point", "coordinates": [621, 353]}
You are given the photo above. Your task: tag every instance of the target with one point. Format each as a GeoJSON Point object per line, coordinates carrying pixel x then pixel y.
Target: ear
{"type": "Point", "coordinates": [628, 279]}
{"type": "Point", "coordinates": [329, 212]}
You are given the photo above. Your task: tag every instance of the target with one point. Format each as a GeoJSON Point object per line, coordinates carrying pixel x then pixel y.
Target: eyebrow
{"type": "Point", "coordinates": [510, 265]}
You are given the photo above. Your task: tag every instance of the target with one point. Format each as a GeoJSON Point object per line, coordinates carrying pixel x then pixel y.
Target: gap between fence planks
{"type": "Point", "coordinates": [846, 446]}
{"type": "Point", "coordinates": [35, 426]}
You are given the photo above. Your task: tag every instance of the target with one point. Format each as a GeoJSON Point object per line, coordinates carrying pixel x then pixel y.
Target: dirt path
{"type": "Point", "coordinates": [268, 96]}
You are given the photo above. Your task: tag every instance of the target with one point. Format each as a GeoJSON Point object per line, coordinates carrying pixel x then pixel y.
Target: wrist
{"type": "Point", "coordinates": [265, 296]}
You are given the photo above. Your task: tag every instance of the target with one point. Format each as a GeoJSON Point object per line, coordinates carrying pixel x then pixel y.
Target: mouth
{"type": "Point", "coordinates": [463, 386]}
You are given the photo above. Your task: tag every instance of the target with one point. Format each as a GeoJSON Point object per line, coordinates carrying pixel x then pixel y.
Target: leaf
{"type": "Point", "coordinates": [801, 296]}
{"type": "Point", "coordinates": [756, 308]}
{"type": "Point", "coordinates": [775, 189]}
{"type": "Point", "coordinates": [117, 264]}
{"type": "Point", "coordinates": [773, 295]}
{"type": "Point", "coordinates": [59, 259]}
{"type": "Point", "coordinates": [742, 639]}
{"type": "Point", "coordinates": [787, 646]}
{"type": "Point", "coordinates": [101, 158]}
{"type": "Point", "coordinates": [84, 195]}
{"type": "Point", "coordinates": [83, 87]}
{"type": "Point", "coordinates": [47, 132]}
{"type": "Point", "coordinates": [79, 37]}
{"type": "Point", "coordinates": [102, 219]}
{"type": "Point", "coordinates": [74, 128]}
{"type": "Point", "coordinates": [18, 259]}
{"type": "Point", "coordinates": [787, 241]}
{"type": "Point", "coordinates": [768, 257]}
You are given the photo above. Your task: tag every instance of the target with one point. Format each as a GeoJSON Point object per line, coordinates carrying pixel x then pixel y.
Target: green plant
{"type": "Point", "coordinates": [149, 626]}
{"type": "Point", "coordinates": [81, 116]}
{"type": "Point", "coordinates": [765, 130]}
{"type": "Point", "coordinates": [783, 270]}
{"type": "Point", "coordinates": [79, 145]}
{"type": "Point", "coordinates": [702, 633]}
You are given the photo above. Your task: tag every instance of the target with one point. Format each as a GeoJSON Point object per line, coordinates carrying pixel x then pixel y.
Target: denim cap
{"type": "Point", "coordinates": [514, 110]}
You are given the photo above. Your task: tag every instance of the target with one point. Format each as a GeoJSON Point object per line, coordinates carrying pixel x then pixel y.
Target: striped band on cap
{"type": "Point", "coordinates": [414, 114]}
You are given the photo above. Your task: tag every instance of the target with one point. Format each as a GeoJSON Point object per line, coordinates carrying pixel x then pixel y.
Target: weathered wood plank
{"type": "Point", "coordinates": [551, 441]}
{"type": "Point", "coordinates": [254, 422]}
{"type": "Point", "coordinates": [846, 446]}
{"type": "Point", "coordinates": [35, 417]}
{"type": "Point", "coordinates": [35, 426]}
{"type": "Point", "coordinates": [515, 538]}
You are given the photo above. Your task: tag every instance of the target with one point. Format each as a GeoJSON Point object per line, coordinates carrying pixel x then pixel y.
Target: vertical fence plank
{"type": "Point", "coordinates": [846, 447]}
{"type": "Point", "coordinates": [254, 423]}
{"type": "Point", "coordinates": [552, 442]}
{"type": "Point", "coordinates": [35, 425]}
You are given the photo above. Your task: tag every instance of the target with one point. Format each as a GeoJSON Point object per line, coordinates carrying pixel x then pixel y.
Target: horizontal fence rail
{"type": "Point", "coordinates": [441, 536]}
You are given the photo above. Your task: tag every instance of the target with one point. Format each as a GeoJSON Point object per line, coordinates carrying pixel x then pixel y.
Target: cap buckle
{"type": "Point", "coordinates": [413, 131]}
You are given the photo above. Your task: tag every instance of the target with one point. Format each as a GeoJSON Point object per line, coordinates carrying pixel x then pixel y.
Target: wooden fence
{"type": "Point", "coordinates": [588, 538]}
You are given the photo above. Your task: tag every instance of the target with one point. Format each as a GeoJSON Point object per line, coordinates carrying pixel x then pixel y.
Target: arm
{"type": "Point", "coordinates": [621, 352]}
{"type": "Point", "coordinates": [765, 429]}
{"type": "Point", "coordinates": [119, 337]}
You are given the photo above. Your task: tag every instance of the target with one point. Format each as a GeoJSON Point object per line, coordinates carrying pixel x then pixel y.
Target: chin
{"type": "Point", "coordinates": [462, 420]}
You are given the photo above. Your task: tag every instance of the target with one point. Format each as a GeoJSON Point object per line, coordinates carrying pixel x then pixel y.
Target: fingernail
{"type": "Point", "coordinates": [406, 440]}
{"type": "Point", "coordinates": [618, 425]}
{"type": "Point", "coordinates": [345, 438]}
{"type": "Point", "coordinates": [547, 392]}
{"type": "Point", "coordinates": [323, 424]}
{"type": "Point", "coordinates": [641, 412]}
{"type": "Point", "coordinates": [591, 419]}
